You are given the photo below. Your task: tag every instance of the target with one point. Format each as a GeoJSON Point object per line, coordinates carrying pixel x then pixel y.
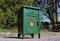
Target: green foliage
{"type": "Point", "coordinates": [8, 18]}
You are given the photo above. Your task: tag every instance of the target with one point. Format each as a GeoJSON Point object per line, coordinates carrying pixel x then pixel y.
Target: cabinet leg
{"type": "Point", "coordinates": [19, 35]}
{"type": "Point", "coordinates": [32, 35]}
{"type": "Point", "coordinates": [23, 36]}
{"type": "Point", "coordinates": [38, 35]}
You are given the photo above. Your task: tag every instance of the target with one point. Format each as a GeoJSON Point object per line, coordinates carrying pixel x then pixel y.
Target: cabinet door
{"type": "Point", "coordinates": [30, 24]}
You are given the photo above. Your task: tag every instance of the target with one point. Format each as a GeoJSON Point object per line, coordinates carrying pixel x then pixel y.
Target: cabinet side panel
{"type": "Point", "coordinates": [20, 21]}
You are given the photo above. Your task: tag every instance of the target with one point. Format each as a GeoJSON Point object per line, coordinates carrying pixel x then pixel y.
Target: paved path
{"type": "Point", "coordinates": [45, 37]}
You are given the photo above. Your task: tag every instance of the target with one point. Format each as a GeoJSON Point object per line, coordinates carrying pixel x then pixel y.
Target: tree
{"type": "Point", "coordinates": [49, 7]}
{"type": "Point", "coordinates": [8, 18]}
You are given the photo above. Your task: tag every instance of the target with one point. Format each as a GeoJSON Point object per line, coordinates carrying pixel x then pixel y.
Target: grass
{"type": "Point", "coordinates": [43, 31]}
{"type": "Point", "coordinates": [16, 29]}
{"type": "Point", "coordinates": [8, 30]}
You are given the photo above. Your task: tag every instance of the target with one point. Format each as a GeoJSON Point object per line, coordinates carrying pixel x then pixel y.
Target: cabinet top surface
{"type": "Point", "coordinates": [30, 7]}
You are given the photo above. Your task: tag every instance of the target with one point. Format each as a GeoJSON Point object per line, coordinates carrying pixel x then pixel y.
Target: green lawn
{"type": "Point", "coordinates": [44, 31]}
{"type": "Point", "coordinates": [8, 30]}
{"type": "Point", "coordinates": [15, 30]}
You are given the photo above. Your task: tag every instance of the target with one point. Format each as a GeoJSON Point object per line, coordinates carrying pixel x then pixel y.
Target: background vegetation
{"type": "Point", "coordinates": [8, 17]}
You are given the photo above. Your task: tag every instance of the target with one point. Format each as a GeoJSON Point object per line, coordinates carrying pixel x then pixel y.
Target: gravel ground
{"type": "Point", "coordinates": [50, 36]}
